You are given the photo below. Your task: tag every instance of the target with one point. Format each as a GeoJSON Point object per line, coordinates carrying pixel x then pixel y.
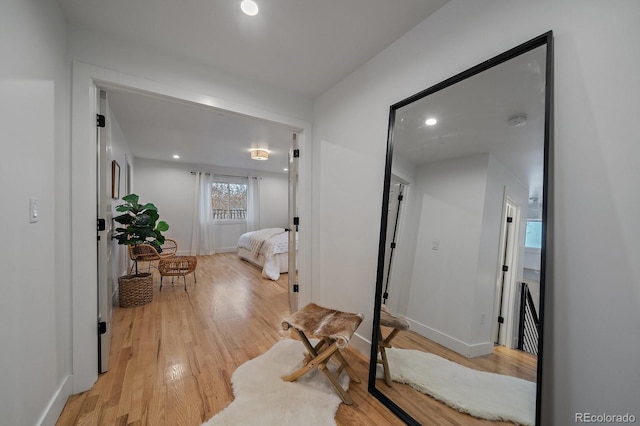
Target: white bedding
{"type": "Point", "coordinates": [267, 248]}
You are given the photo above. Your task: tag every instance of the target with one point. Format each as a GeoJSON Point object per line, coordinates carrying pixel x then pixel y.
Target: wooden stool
{"type": "Point", "coordinates": [334, 329]}
{"type": "Point", "coordinates": [177, 266]}
{"type": "Point", "coordinates": [397, 324]}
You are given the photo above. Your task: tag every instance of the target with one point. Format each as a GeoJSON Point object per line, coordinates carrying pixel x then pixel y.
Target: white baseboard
{"type": "Point", "coordinates": [227, 250]}
{"type": "Point", "coordinates": [480, 349]}
{"type": "Point", "coordinates": [218, 250]}
{"type": "Point", "coordinates": [361, 344]}
{"type": "Point", "coordinates": [56, 404]}
{"type": "Point", "coordinates": [456, 345]}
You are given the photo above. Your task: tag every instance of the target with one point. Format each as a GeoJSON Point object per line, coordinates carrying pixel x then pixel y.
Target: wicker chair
{"type": "Point", "coordinates": [148, 253]}
{"type": "Point", "coordinates": [178, 266]}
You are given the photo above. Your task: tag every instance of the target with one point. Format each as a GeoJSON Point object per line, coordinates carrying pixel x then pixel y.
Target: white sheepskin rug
{"type": "Point", "coordinates": [263, 398]}
{"type": "Point", "coordinates": [478, 393]}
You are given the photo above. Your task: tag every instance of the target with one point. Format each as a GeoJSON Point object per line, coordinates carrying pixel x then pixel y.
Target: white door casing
{"type": "Point", "coordinates": [106, 176]}
{"type": "Point", "coordinates": [293, 224]}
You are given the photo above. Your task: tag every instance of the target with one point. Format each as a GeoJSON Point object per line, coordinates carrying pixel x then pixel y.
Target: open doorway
{"type": "Point", "coordinates": [87, 80]}
{"type": "Point", "coordinates": [173, 140]}
{"type": "Point", "coordinates": [506, 315]}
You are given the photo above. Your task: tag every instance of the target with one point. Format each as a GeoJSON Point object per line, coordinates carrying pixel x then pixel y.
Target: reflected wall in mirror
{"type": "Point", "coordinates": [462, 245]}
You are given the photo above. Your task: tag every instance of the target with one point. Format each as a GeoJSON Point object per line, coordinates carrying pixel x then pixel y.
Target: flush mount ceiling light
{"type": "Point", "coordinates": [259, 154]}
{"type": "Point", "coordinates": [176, 156]}
{"type": "Point", "coordinates": [249, 7]}
{"type": "Point", "coordinates": [431, 121]}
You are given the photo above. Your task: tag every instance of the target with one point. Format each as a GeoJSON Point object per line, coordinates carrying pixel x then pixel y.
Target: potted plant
{"type": "Point", "coordinates": [140, 226]}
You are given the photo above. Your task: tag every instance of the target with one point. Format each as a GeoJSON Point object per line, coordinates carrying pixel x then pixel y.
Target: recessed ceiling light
{"type": "Point", "coordinates": [431, 122]}
{"type": "Point", "coordinates": [249, 7]}
{"type": "Point", "coordinates": [176, 156]}
{"type": "Point", "coordinates": [285, 169]}
{"type": "Point", "coordinates": [517, 120]}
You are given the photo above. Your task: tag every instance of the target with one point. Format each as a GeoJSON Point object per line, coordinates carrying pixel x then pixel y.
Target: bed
{"type": "Point", "coordinates": [267, 248]}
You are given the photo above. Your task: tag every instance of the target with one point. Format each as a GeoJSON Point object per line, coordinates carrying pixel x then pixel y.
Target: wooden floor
{"type": "Point", "coordinates": [172, 360]}
{"type": "Point", "coordinates": [429, 411]}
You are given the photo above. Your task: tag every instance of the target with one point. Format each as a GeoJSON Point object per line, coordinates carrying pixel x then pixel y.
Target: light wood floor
{"type": "Point", "coordinates": [429, 411]}
{"type": "Point", "coordinates": [172, 360]}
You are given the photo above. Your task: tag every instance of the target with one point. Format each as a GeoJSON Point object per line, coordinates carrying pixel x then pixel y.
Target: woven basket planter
{"type": "Point", "coordinates": [135, 290]}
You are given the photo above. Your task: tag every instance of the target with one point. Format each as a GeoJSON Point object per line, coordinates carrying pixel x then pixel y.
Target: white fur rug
{"type": "Point", "coordinates": [481, 394]}
{"type": "Point", "coordinates": [263, 398]}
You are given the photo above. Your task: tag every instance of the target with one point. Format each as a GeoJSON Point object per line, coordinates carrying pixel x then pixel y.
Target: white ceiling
{"type": "Point", "coordinates": [473, 118]}
{"type": "Point", "coordinates": [157, 128]}
{"type": "Point", "coordinates": [302, 47]}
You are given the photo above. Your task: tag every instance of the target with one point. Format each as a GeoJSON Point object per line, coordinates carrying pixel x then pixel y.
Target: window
{"type": "Point", "coordinates": [533, 239]}
{"type": "Point", "coordinates": [229, 200]}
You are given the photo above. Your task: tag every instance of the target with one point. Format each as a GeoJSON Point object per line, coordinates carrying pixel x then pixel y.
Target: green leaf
{"type": "Point", "coordinates": [162, 226]}
{"type": "Point", "coordinates": [143, 220]}
{"type": "Point", "coordinates": [131, 198]}
{"type": "Point", "coordinates": [124, 208]}
{"type": "Point", "coordinates": [124, 219]}
{"type": "Point", "coordinates": [153, 216]}
{"type": "Point", "coordinates": [149, 206]}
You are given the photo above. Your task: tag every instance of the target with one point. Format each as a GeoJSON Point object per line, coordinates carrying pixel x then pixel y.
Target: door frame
{"type": "Point", "coordinates": [85, 81]}
{"type": "Point", "coordinates": [394, 275]}
{"type": "Point", "coordinates": [508, 291]}
{"type": "Point", "coordinates": [104, 246]}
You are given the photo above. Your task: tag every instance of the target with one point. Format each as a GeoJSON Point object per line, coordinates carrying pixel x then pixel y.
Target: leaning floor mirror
{"type": "Point", "coordinates": [457, 333]}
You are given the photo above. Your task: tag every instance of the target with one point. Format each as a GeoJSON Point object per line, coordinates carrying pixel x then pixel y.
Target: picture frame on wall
{"type": "Point", "coordinates": [115, 179]}
{"type": "Point", "coordinates": [127, 182]}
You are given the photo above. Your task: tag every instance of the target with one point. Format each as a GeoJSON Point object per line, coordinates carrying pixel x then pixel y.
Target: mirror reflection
{"type": "Point", "coordinates": [461, 282]}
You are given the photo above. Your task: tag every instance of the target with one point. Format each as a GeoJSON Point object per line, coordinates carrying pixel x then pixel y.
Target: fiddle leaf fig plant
{"type": "Point", "coordinates": [140, 224]}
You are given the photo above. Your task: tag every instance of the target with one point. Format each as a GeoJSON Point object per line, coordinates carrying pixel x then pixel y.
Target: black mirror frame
{"type": "Point", "coordinates": [544, 39]}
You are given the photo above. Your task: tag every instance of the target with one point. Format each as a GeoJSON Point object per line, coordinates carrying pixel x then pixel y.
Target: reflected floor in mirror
{"type": "Point", "coordinates": [426, 409]}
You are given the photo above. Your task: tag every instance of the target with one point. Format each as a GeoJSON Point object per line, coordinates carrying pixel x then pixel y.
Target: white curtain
{"type": "Point", "coordinates": [253, 204]}
{"type": "Point", "coordinates": [202, 232]}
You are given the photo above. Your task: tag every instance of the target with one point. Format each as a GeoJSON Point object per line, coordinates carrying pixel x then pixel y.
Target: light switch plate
{"type": "Point", "coordinates": [33, 210]}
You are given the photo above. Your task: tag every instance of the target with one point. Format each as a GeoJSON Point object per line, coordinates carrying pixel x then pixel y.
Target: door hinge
{"type": "Point", "coordinates": [505, 268]}
{"type": "Point", "coordinates": [400, 197]}
{"type": "Point", "coordinates": [296, 221]}
{"type": "Point", "coordinates": [501, 320]}
{"type": "Point", "coordinates": [296, 289]}
{"type": "Point", "coordinates": [101, 121]}
{"type": "Point", "coordinates": [296, 153]}
{"type": "Point", "coordinates": [393, 245]}
{"type": "Point", "coordinates": [102, 327]}
{"type": "Point", "coordinates": [385, 295]}
{"type": "Point", "coordinates": [102, 225]}
{"type": "Point", "coordinates": [509, 219]}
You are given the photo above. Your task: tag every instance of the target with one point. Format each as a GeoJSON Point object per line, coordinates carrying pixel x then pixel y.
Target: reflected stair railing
{"type": "Point", "coordinates": [529, 329]}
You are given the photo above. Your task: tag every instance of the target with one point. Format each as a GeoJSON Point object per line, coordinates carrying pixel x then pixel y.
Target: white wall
{"type": "Point", "coordinates": [449, 198]}
{"type": "Point", "coordinates": [457, 203]}
{"type": "Point", "coordinates": [171, 187]}
{"type": "Point", "coordinates": [593, 291]}
{"type": "Point", "coordinates": [104, 51]}
{"type": "Point", "coordinates": [35, 319]}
